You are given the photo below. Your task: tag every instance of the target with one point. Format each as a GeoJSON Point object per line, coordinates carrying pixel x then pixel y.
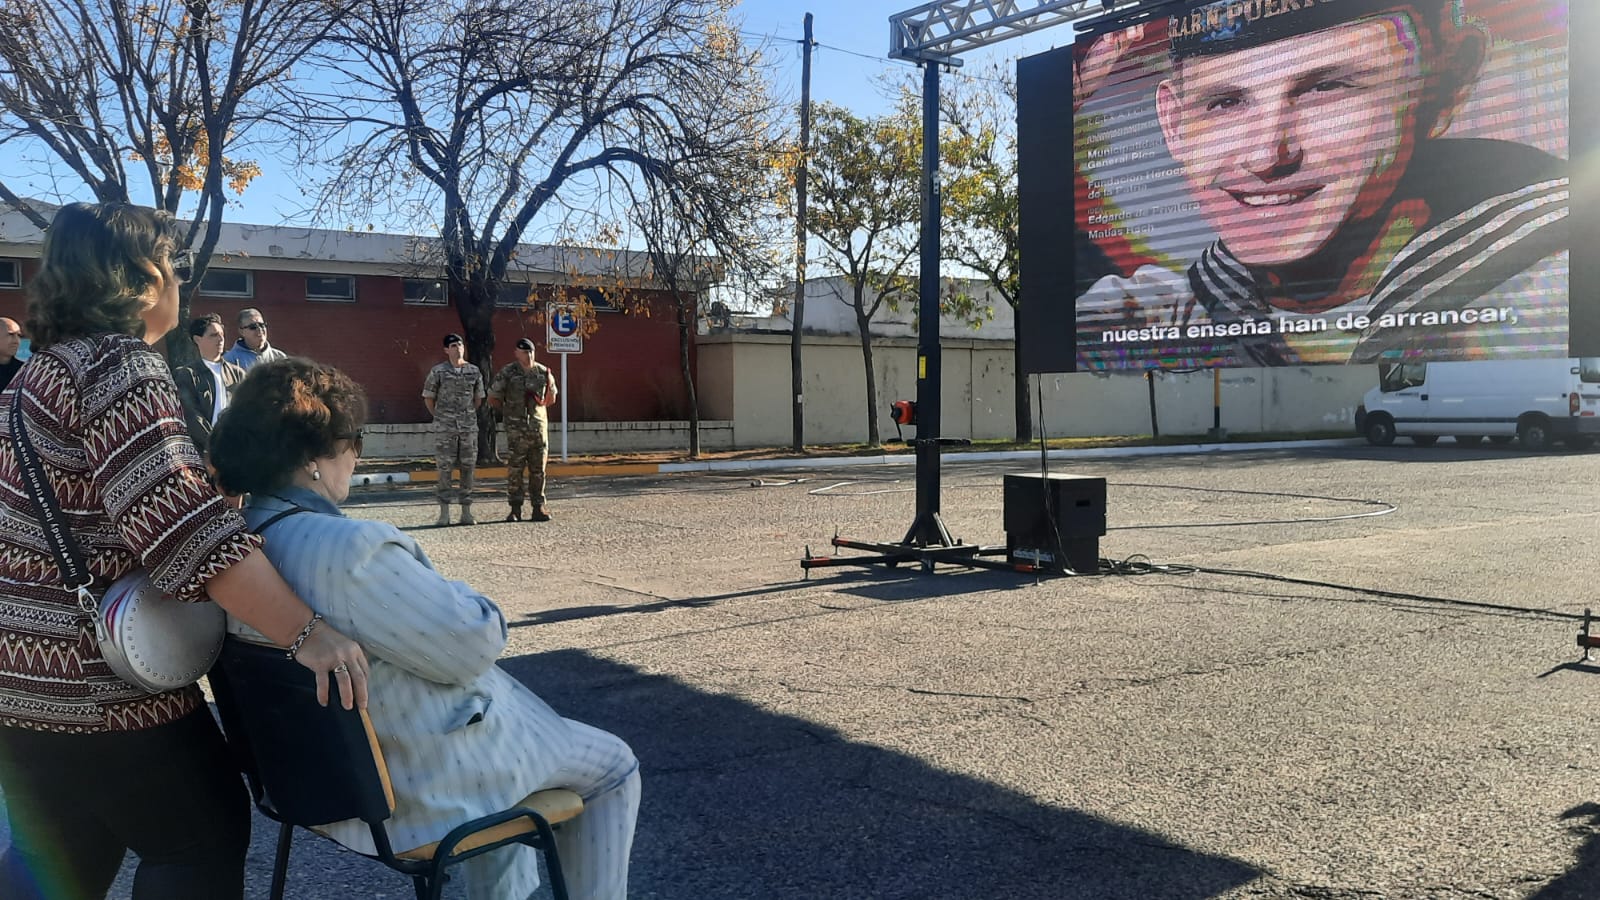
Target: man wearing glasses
{"type": "Point", "coordinates": [10, 344]}
{"type": "Point", "coordinates": [252, 346]}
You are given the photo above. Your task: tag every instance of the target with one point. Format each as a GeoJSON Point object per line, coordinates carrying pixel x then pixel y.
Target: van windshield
{"type": "Point", "coordinates": [1400, 377]}
{"type": "Point", "coordinates": [1589, 369]}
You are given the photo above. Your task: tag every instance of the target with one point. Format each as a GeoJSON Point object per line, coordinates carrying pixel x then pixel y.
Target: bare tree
{"type": "Point", "coordinates": [696, 227]}
{"type": "Point", "coordinates": [152, 101]}
{"type": "Point", "coordinates": [494, 117]}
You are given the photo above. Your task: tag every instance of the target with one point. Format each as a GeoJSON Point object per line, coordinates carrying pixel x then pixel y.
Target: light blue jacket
{"type": "Point", "coordinates": [242, 356]}
{"type": "Point", "coordinates": [461, 736]}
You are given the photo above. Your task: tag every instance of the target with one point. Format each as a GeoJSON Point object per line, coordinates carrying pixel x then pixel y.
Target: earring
{"type": "Point", "coordinates": [316, 474]}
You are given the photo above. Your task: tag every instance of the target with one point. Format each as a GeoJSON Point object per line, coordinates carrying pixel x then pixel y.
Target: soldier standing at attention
{"type": "Point", "coordinates": [521, 391]}
{"type": "Point", "coordinates": [453, 392]}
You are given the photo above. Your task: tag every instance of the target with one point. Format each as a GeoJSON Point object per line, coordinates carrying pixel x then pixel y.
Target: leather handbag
{"type": "Point", "coordinates": [149, 639]}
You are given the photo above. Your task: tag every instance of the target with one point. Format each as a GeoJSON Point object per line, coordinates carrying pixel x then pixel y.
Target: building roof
{"type": "Point", "coordinates": [292, 248]}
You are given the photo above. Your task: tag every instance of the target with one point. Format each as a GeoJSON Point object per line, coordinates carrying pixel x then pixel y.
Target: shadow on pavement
{"type": "Point", "coordinates": [1582, 881]}
{"type": "Point", "coordinates": [597, 611]}
{"type": "Point", "coordinates": [743, 803]}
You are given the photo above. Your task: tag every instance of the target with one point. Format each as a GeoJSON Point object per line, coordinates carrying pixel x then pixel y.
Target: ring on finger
{"type": "Point", "coordinates": [342, 667]}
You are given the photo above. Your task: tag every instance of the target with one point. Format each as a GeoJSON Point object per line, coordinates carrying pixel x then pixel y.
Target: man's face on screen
{"type": "Point", "coordinates": [1284, 143]}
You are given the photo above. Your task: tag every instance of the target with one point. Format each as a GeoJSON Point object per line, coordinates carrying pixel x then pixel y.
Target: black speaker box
{"type": "Point", "coordinates": [1055, 521]}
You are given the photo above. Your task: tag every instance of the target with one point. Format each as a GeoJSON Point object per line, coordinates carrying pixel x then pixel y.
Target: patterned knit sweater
{"type": "Point", "coordinates": [104, 416]}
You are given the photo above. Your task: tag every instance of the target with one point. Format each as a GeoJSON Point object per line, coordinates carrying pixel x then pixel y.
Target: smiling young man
{"type": "Point", "coordinates": [1310, 137]}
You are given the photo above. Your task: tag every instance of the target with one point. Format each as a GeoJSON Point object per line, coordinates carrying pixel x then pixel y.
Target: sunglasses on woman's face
{"type": "Point", "coordinates": [183, 264]}
{"type": "Point", "coordinates": [354, 439]}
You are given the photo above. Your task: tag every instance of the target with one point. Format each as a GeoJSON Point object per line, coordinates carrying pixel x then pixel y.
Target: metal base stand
{"type": "Point", "coordinates": [972, 556]}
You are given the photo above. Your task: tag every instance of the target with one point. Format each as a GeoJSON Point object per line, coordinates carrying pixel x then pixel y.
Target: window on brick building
{"type": "Point", "coordinates": [424, 291]}
{"type": "Point", "coordinates": [514, 294]}
{"type": "Point", "coordinates": [330, 287]}
{"type": "Point", "coordinates": [10, 273]}
{"type": "Point", "coordinates": [228, 283]}
{"type": "Point", "coordinates": [598, 299]}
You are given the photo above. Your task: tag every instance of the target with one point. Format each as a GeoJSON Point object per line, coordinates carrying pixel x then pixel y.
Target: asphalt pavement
{"type": "Point", "coordinates": [1393, 722]}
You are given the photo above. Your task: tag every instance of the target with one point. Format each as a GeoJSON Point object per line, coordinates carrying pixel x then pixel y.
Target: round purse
{"type": "Point", "coordinates": [150, 640]}
{"type": "Point", "coordinates": [154, 642]}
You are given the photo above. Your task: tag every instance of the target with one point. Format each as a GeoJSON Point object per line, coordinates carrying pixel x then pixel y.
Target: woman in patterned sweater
{"type": "Point", "coordinates": [91, 766]}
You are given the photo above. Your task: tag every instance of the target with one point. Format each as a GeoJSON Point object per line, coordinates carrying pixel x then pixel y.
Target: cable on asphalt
{"type": "Point", "coordinates": [1140, 564]}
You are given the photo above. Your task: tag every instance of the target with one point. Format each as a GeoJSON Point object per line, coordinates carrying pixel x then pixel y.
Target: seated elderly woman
{"type": "Point", "coordinates": [461, 736]}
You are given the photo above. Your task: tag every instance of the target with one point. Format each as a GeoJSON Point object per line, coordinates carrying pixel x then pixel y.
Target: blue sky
{"type": "Point", "coordinates": [847, 69]}
{"type": "Point", "coordinates": [853, 39]}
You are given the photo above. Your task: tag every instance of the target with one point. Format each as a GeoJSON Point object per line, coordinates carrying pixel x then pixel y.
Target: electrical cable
{"type": "Point", "coordinates": [1383, 508]}
{"type": "Point", "coordinates": [1529, 611]}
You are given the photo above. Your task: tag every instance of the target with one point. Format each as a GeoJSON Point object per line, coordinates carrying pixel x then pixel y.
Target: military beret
{"type": "Point", "coordinates": [452, 338]}
{"type": "Point", "coordinates": [524, 344]}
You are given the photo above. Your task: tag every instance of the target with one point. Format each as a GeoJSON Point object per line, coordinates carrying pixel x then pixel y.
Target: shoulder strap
{"type": "Point", "coordinates": [280, 516]}
{"type": "Point", "coordinates": [69, 559]}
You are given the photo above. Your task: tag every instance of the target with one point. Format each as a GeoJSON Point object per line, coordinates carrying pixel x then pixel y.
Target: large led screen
{"type": "Point", "coordinates": [1290, 182]}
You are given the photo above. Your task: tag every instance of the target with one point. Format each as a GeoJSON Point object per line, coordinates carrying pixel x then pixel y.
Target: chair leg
{"type": "Point", "coordinates": [552, 859]}
{"type": "Point", "coordinates": [426, 888]}
{"type": "Point", "coordinates": [280, 863]}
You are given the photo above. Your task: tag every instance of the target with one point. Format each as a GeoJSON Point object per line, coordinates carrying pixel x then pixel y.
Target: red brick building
{"type": "Point", "coordinates": [361, 302]}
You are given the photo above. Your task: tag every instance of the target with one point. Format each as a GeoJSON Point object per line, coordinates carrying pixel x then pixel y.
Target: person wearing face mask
{"type": "Point", "coordinates": [205, 385]}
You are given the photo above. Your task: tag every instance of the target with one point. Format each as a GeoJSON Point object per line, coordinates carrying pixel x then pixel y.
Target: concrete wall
{"type": "Point", "coordinates": [415, 441]}
{"type": "Point", "coordinates": [829, 310]}
{"type": "Point", "coordinates": [745, 379]}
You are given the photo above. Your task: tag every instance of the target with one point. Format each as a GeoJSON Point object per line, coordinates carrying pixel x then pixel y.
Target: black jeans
{"type": "Point", "coordinates": [78, 802]}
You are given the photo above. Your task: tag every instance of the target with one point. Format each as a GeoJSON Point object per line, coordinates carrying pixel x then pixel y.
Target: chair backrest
{"type": "Point", "coordinates": [312, 764]}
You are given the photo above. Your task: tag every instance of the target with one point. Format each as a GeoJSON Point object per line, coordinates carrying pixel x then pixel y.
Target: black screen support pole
{"type": "Point", "coordinates": [935, 34]}
{"type": "Point", "coordinates": [927, 529]}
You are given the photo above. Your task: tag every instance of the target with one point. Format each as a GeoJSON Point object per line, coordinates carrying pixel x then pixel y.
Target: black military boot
{"type": "Point", "coordinates": [516, 512]}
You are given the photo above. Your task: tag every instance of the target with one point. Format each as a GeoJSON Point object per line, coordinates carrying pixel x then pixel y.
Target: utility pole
{"type": "Point", "coordinates": [796, 376]}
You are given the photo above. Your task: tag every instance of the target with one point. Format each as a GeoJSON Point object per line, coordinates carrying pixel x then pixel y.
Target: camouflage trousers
{"type": "Point", "coordinates": [453, 450]}
{"type": "Point", "coordinates": [527, 449]}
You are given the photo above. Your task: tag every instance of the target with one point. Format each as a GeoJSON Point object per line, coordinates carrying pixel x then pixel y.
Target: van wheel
{"type": "Point", "coordinates": [1580, 441]}
{"type": "Point", "coordinates": [1425, 440]}
{"type": "Point", "coordinates": [1533, 433]}
{"type": "Point", "coordinates": [1469, 440]}
{"type": "Point", "coordinates": [1500, 440]}
{"type": "Point", "coordinates": [1380, 430]}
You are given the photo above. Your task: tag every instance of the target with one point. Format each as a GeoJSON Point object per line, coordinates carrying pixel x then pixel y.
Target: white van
{"type": "Point", "coordinates": [1536, 401]}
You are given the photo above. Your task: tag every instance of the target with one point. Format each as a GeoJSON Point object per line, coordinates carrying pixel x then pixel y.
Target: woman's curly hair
{"type": "Point", "coordinates": [282, 416]}
{"type": "Point", "coordinates": [92, 278]}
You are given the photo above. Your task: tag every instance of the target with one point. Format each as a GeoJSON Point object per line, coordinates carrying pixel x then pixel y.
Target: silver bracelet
{"type": "Point", "coordinates": [305, 632]}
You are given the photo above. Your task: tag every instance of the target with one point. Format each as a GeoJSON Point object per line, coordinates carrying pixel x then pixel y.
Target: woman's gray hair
{"type": "Point", "coordinates": [92, 278]}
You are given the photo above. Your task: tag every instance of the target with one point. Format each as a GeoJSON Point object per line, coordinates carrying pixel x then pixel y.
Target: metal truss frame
{"type": "Point", "coordinates": [941, 31]}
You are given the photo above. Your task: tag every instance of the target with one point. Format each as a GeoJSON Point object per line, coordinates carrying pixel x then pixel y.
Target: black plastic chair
{"type": "Point", "coordinates": [309, 765]}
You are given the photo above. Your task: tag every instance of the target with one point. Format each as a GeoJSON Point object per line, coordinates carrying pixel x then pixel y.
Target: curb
{"type": "Point", "coordinates": [582, 470]}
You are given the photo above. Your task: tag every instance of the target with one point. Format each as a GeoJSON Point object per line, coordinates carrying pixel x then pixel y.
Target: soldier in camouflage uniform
{"type": "Point", "coordinates": [453, 392]}
{"type": "Point", "coordinates": [521, 391]}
